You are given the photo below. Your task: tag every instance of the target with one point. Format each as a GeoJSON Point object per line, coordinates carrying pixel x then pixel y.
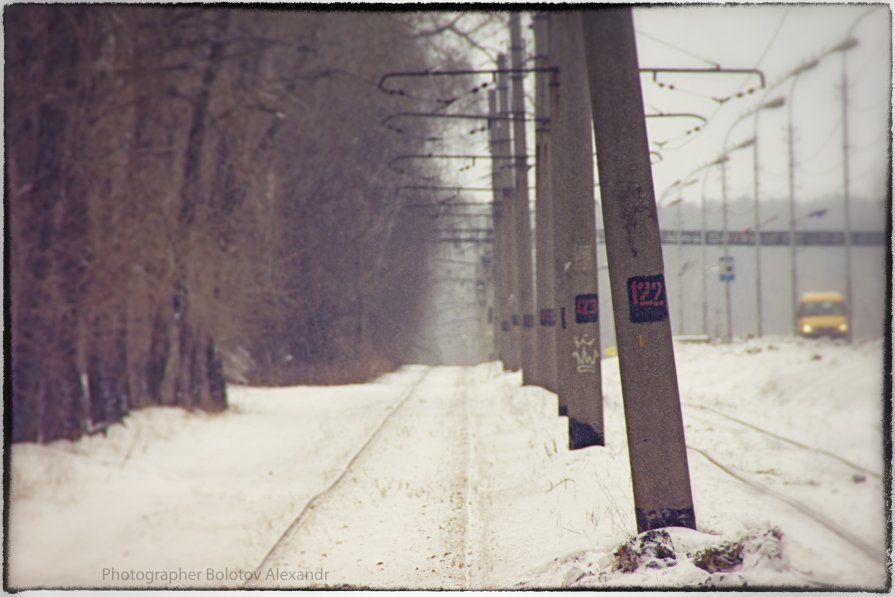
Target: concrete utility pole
{"type": "Point", "coordinates": [544, 214]}
{"type": "Point", "coordinates": [728, 334]}
{"type": "Point", "coordinates": [704, 253]}
{"type": "Point", "coordinates": [501, 314]}
{"type": "Point", "coordinates": [485, 336]}
{"type": "Point", "coordinates": [793, 254]}
{"type": "Point", "coordinates": [849, 43]}
{"type": "Point", "coordinates": [846, 199]}
{"type": "Point", "coordinates": [725, 236]}
{"type": "Point", "coordinates": [507, 216]}
{"type": "Point", "coordinates": [579, 378]}
{"type": "Point", "coordinates": [520, 209]}
{"type": "Point", "coordinates": [655, 428]}
{"type": "Point", "coordinates": [680, 266]}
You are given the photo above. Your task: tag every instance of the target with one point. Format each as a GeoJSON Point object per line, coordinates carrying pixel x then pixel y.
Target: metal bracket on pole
{"type": "Point", "coordinates": [711, 71]}
{"type": "Point", "coordinates": [448, 73]}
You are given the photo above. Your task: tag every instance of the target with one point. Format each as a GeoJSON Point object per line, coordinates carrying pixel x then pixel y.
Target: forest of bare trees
{"type": "Point", "coordinates": [192, 187]}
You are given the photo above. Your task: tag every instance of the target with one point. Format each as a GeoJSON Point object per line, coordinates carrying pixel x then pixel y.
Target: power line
{"type": "Point", "coordinates": [823, 144]}
{"type": "Point", "coordinates": [757, 65]}
{"type": "Point", "coordinates": [773, 37]}
{"type": "Point", "coordinates": [678, 48]}
{"type": "Point", "coordinates": [883, 135]}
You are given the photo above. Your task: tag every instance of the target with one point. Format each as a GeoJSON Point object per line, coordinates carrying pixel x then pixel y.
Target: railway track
{"type": "Point", "coordinates": [789, 441]}
{"type": "Point", "coordinates": [819, 518]}
{"type": "Point", "coordinates": [800, 506]}
{"type": "Point", "coordinates": [296, 523]}
{"type": "Point", "coordinates": [473, 537]}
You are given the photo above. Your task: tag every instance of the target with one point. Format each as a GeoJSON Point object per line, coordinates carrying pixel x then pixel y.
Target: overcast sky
{"type": "Point", "coordinates": [776, 40]}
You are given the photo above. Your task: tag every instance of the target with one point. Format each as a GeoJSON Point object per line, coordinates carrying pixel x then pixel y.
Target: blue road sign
{"type": "Point", "coordinates": [725, 268]}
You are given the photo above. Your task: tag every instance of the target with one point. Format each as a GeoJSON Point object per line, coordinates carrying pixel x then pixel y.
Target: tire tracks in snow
{"type": "Point", "coordinates": [312, 503]}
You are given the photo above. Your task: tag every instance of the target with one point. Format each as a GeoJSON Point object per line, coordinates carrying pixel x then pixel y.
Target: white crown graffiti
{"type": "Point", "coordinates": [586, 359]}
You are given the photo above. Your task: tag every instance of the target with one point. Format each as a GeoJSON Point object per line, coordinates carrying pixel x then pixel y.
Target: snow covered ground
{"type": "Point", "coordinates": [457, 477]}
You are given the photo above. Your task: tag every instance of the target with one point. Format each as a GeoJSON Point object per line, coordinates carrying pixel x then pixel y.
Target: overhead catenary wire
{"type": "Point", "coordinates": [883, 43]}
{"type": "Point", "coordinates": [718, 108]}
{"type": "Point", "coordinates": [883, 135]}
{"type": "Point", "coordinates": [822, 145]}
{"type": "Point", "coordinates": [678, 48]}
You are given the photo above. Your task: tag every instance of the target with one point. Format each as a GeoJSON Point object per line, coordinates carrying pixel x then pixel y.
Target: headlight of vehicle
{"type": "Point", "coordinates": [807, 329]}
{"type": "Point", "coordinates": [843, 327]}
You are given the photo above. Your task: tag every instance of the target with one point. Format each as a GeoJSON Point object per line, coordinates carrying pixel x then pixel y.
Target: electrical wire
{"type": "Point", "coordinates": [773, 37]}
{"type": "Point", "coordinates": [761, 58]}
{"type": "Point", "coordinates": [678, 48]}
{"type": "Point", "coordinates": [679, 89]}
{"type": "Point", "coordinates": [866, 171]}
{"type": "Point", "coordinates": [883, 135]}
{"type": "Point", "coordinates": [884, 43]}
{"type": "Point", "coordinates": [816, 174]}
{"type": "Point", "coordinates": [837, 126]}
{"type": "Point", "coordinates": [867, 107]}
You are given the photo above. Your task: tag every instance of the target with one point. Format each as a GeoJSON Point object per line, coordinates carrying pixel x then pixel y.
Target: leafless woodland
{"type": "Point", "coordinates": [188, 185]}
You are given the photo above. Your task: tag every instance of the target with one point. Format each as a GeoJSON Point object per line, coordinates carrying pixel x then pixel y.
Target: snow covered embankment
{"type": "Point", "coordinates": [785, 460]}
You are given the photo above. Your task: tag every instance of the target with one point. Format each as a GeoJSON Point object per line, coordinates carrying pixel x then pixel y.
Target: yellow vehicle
{"type": "Point", "coordinates": [822, 314]}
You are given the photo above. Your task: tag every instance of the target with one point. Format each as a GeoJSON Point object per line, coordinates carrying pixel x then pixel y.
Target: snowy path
{"type": "Point", "coordinates": [398, 517]}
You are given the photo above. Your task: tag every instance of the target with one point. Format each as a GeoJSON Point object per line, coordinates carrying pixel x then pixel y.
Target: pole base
{"type": "Point", "coordinates": [582, 435]}
{"type": "Point", "coordinates": [657, 519]}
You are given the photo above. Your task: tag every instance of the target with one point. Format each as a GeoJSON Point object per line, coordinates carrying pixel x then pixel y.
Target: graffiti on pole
{"type": "Point", "coordinates": [585, 354]}
{"type": "Point", "coordinates": [583, 258]}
